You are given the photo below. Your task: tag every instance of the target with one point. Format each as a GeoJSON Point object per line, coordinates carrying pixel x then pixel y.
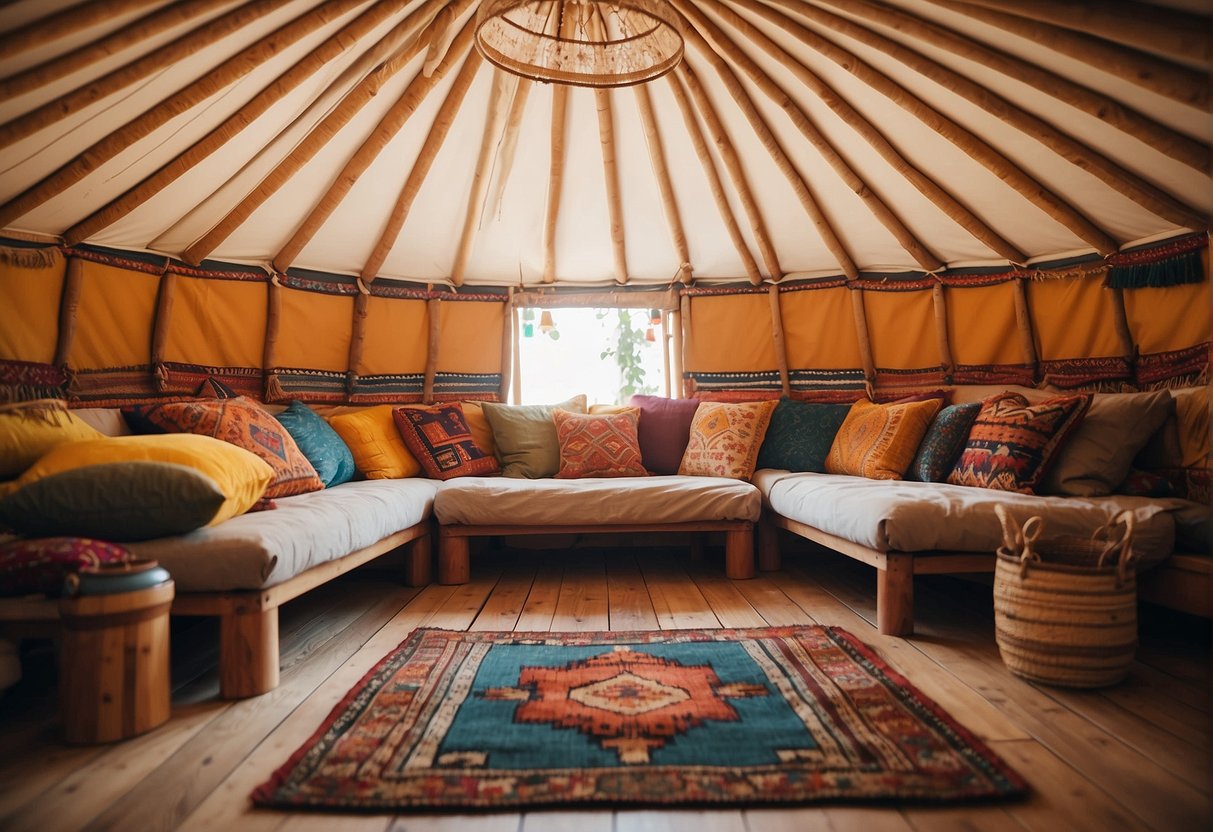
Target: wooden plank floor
{"type": "Point", "coordinates": [1136, 756]}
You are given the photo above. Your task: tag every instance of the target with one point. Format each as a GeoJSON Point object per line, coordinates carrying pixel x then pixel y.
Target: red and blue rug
{"type": "Point", "coordinates": [453, 720]}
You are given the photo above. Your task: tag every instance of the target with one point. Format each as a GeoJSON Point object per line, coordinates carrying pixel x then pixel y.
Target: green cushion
{"type": "Point", "coordinates": [800, 435]}
{"type": "Point", "coordinates": [329, 455]}
{"type": "Point", "coordinates": [526, 436]}
{"type": "Point", "coordinates": [115, 501]}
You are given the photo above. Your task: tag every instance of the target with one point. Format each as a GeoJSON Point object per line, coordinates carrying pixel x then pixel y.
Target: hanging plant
{"type": "Point", "coordinates": [629, 341]}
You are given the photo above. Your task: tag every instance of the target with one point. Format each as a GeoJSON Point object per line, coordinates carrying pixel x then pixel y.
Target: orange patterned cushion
{"type": "Point", "coordinates": [878, 441]}
{"type": "Point", "coordinates": [440, 439]}
{"type": "Point", "coordinates": [242, 422]}
{"type": "Point", "coordinates": [598, 445]}
{"type": "Point", "coordinates": [725, 439]}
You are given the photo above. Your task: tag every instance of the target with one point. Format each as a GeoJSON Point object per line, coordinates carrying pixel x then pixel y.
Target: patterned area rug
{"type": "Point", "coordinates": [494, 720]}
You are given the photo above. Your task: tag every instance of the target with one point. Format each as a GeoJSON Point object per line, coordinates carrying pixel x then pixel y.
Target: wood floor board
{"type": "Point", "coordinates": [541, 601]}
{"type": "Point", "coordinates": [677, 602]}
{"type": "Point", "coordinates": [582, 602]}
{"type": "Point", "coordinates": [727, 601]}
{"type": "Point", "coordinates": [628, 601]}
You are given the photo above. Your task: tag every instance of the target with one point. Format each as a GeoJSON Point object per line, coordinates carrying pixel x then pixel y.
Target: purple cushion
{"type": "Point", "coordinates": [40, 565]}
{"type": "Point", "coordinates": [665, 429]}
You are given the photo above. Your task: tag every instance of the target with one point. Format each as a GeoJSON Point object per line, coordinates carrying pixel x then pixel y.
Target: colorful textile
{"type": "Point", "coordinates": [30, 429]}
{"type": "Point", "coordinates": [1012, 444]}
{"type": "Point", "coordinates": [379, 450]}
{"type": "Point", "coordinates": [800, 435]}
{"type": "Point", "coordinates": [440, 439]}
{"type": "Point", "coordinates": [28, 567]}
{"type": "Point", "coordinates": [944, 440]}
{"type": "Point", "coordinates": [725, 439]}
{"type": "Point", "coordinates": [598, 445]}
{"type": "Point", "coordinates": [778, 715]}
{"type": "Point", "coordinates": [332, 459]}
{"type": "Point", "coordinates": [664, 430]}
{"type": "Point", "coordinates": [526, 436]}
{"type": "Point", "coordinates": [243, 423]}
{"type": "Point", "coordinates": [878, 441]}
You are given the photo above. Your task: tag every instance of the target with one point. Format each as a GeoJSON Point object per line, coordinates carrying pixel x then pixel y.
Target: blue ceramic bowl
{"type": "Point", "coordinates": [111, 578]}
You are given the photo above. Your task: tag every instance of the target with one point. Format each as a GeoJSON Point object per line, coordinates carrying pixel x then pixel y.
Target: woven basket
{"type": "Point", "coordinates": [1058, 619]}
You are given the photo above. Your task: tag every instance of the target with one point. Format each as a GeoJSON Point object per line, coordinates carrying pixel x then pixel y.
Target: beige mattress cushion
{"type": "Point", "coordinates": [490, 501]}
{"type": "Point", "coordinates": [259, 550]}
{"type": "Point", "coordinates": [924, 516]}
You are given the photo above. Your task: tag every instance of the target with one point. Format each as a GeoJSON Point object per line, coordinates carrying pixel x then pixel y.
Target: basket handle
{"type": "Point", "coordinates": [1123, 546]}
{"type": "Point", "coordinates": [1017, 542]}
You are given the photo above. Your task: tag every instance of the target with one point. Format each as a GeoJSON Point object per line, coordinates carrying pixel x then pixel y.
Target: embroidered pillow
{"type": "Point", "coordinates": [30, 429]}
{"type": "Point", "coordinates": [441, 440]}
{"type": "Point", "coordinates": [526, 436]}
{"type": "Point", "coordinates": [598, 445]}
{"type": "Point", "coordinates": [725, 438]}
{"type": "Point", "coordinates": [33, 566]}
{"type": "Point", "coordinates": [379, 450]}
{"type": "Point", "coordinates": [1012, 444]}
{"type": "Point", "coordinates": [321, 445]}
{"type": "Point", "coordinates": [945, 439]}
{"type": "Point", "coordinates": [243, 423]}
{"type": "Point", "coordinates": [878, 441]}
{"type": "Point", "coordinates": [800, 435]}
{"type": "Point", "coordinates": [665, 429]}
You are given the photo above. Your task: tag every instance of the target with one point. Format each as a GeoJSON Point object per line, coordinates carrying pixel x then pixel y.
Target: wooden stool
{"type": "Point", "coordinates": [114, 670]}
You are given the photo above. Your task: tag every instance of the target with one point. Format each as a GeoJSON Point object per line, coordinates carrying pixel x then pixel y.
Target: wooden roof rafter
{"type": "Point", "coordinates": [657, 157]}
{"type": "Point", "coordinates": [60, 24]}
{"type": "Point", "coordinates": [556, 161]}
{"type": "Point", "coordinates": [509, 142]}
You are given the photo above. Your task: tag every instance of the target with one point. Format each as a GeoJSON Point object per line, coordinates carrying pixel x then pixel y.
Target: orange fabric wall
{"type": "Point", "coordinates": [901, 327]}
{"type": "Point", "coordinates": [730, 334]}
{"type": "Point", "coordinates": [1072, 318]}
{"type": "Point", "coordinates": [982, 328]}
{"type": "Point", "coordinates": [303, 316]}
{"type": "Point", "coordinates": [31, 322]}
{"type": "Point", "coordinates": [114, 321]}
{"type": "Point", "coordinates": [216, 323]}
{"type": "Point", "coordinates": [469, 337]}
{"type": "Point", "coordinates": [396, 337]}
{"type": "Point", "coordinates": [810, 313]}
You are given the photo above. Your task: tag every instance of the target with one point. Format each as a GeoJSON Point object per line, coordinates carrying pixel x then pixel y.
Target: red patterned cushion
{"type": "Point", "coordinates": [244, 423]}
{"type": "Point", "coordinates": [1012, 444]}
{"type": "Point", "coordinates": [32, 566]}
{"type": "Point", "coordinates": [440, 439]}
{"type": "Point", "coordinates": [598, 445]}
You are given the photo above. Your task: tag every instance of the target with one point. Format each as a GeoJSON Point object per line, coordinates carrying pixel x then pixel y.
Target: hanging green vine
{"type": "Point", "coordinates": [629, 341]}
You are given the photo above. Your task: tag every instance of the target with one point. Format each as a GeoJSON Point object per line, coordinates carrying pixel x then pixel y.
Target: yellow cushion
{"type": "Point", "coordinates": [30, 429]}
{"type": "Point", "coordinates": [240, 475]}
{"type": "Point", "coordinates": [379, 452]}
{"type": "Point", "coordinates": [878, 441]}
{"type": "Point", "coordinates": [725, 439]}
{"type": "Point", "coordinates": [482, 431]}
{"type": "Point", "coordinates": [609, 409]}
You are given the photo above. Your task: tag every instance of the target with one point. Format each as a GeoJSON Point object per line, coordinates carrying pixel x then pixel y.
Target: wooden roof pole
{"type": "Point", "coordinates": [970, 143]}
{"type": "Point", "coordinates": [1169, 31]}
{"type": "Point", "coordinates": [509, 142]}
{"type": "Point", "coordinates": [560, 105]}
{"type": "Point", "coordinates": [1151, 72]}
{"type": "Point", "coordinates": [425, 158]}
{"type": "Point", "coordinates": [732, 163]}
{"type": "Point", "coordinates": [606, 138]}
{"type": "Point", "coordinates": [28, 124]}
{"type": "Point", "coordinates": [726, 48]}
{"type": "Point", "coordinates": [168, 17]}
{"type": "Point", "coordinates": [444, 29]}
{"type": "Point", "coordinates": [695, 132]}
{"type": "Point", "coordinates": [319, 136]}
{"type": "Point", "coordinates": [940, 197]}
{"type": "Point", "coordinates": [60, 24]}
{"type": "Point", "coordinates": [652, 138]}
{"type": "Point", "coordinates": [493, 123]}
{"type": "Point", "coordinates": [1158, 136]}
{"type": "Point", "coordinates": [340, 43]}
{"type": "Point", "coordinates": [774, 148]}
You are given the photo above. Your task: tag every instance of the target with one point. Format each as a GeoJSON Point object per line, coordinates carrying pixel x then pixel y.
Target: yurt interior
{"type": "Point", "coordinates": [605, 415]}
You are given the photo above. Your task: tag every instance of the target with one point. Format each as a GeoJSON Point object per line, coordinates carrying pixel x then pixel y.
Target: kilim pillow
{"type": "Point", "coordinates": [878, 441]}
{"type": "Point", "coordinates": [379, 450]}
{"type": "Point", "coordinates": [800, 435]}
{"type": "Point", "coordinates": [598, 445]}
{"type": "Point", "coordinates": [526, 436]}
{"type": "Point", "coordinates": [32, 566]}
{"type": "Point", "coordinates": [243, 423]}
{"type": "Point", "coordinates": [441, 440]}
{"type": "Point", "coordinates": [1012, 444]}
{"type": "Point", "coordinates": [945, 439]}
{"type": "Point", "coordinates": [332, 459]}
{"type": "Point", "coordinates": [30, 429]}
{"type": "Point", "coordinates": [725, 439]}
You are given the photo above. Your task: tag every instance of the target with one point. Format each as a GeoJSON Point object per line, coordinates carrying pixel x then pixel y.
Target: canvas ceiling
{"type": "Point", "coordinates": [960, 136]}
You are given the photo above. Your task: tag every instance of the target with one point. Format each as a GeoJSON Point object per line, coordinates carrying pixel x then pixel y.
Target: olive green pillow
{"type": "Point", "coordinates": [525, 436]}
{"type": "Point", "coordinates": [114, 501]}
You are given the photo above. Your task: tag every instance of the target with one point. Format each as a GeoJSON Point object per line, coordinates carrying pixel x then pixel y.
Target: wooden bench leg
{"type": "Point", "coordinates": [248, 653]}
{"type": "Point", "coordinates": [739, 553]}
{"type": "Point", "coordinates": [418, 567]}
{"type": "Point", "coordinates": [895, 596]}
{"type": "Point", "coordinates": [454, 556]}
{"type": "Point", "coordinates": [768, 547]}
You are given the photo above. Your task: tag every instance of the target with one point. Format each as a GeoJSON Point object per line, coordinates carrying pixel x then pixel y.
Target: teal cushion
{"type": "Point", "coordinates": [115, 501]}
{"type": "Point", "coordinates": [329, 455]}
{"type": "Point", "coordinates": [800, 435]}
{"type": "Point", "coordinates": [945, 439]}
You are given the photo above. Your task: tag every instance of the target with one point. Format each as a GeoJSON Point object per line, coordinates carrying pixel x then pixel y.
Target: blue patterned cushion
{"type": "Point", "coordinates": [330, 456]}
{"type": "Point", "coordinates": [943, 443]}
{"type": "Point", "coordinates": [800, 435]}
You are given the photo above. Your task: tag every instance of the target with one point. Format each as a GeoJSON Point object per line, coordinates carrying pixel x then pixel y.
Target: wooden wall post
{"type": "Point", "coordinates": [160, 326]}
{"type": "Point", "coordinates": [1120, 319]}
{"type": "Point", "coordinates": [433, 313]}
{"type": "Point", "coordinates": [273, 318]}
{"type": "Point", "coordinates": [1023, 318]}
{"type": "Point", "coordinates": [941, 331]}
{"type": "Point", "coordinates": [862, 336]}
{"type": "Point", "coordinates": [357, 337]}
{"type": "Point", "coordinates": [516, 378]}
{"type": "Point", "coordinates": [69, 306]}
{"type": "Point", "coordinates": [682, 332]}
{"type": "Point", "coordinates": [781, 348]}
{"type": "Point", "coordinates": [507, 346]}
{"type": "Point", "coordinates": [665, 349]}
